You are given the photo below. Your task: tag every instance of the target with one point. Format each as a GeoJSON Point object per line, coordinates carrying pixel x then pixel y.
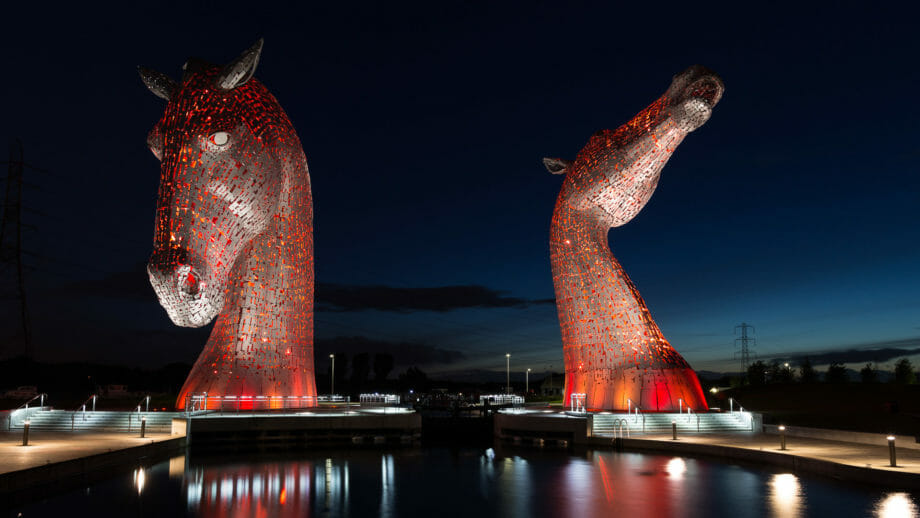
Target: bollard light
{"type": "Point", "coordinates": [891, 453]}
{"type": "Point", "coordinates": [782, 437]}
{"type": "Point", "coordinates": [143, 426]}
{"type": "Point", "coordinates": [674, 430]}
{"type": "Point", "coordinates": [25, 432]}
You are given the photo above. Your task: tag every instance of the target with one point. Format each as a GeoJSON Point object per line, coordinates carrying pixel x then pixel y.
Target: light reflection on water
{"type": "Point", "coordinates": [786, 497]}
{"type": "Point", "coordinates": [896, 505]}
{"type": "Point", "coordinates": [478, 483]}
{"type": "Point", "coordinates": [604, 482]}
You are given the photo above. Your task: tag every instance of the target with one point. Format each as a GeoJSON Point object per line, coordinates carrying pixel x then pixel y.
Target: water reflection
{"type": "Point", "coordinates": [387, 486]}
{"type": "Point", "coordinates": [257, 490]}
{"type": "Point", "coordinates": [507, 480]}
{"type": "Point", "coordinates": [140, 478]}
{"type": "Point", "coordinates": [785, 493]}
{"type": "Point", "coordinates": [676, 468]}
{"type": "Point", "coordinates": [511, 484]}
{"type": "Point", "coordinates": [896, 505]}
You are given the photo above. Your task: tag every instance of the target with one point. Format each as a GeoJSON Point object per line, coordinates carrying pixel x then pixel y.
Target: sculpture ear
{"type": "Point", "coordinates": [241, 69]}
{"type": "Point", "coordinates": [159, 83]}
{"type": "Point", "coordinates": [557, 165]}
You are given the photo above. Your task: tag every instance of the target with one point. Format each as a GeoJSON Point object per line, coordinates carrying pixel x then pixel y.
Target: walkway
{"type": "Point", "coordinates": [53, 447]}
{"type": "Point", "coordinates": [851, 454]}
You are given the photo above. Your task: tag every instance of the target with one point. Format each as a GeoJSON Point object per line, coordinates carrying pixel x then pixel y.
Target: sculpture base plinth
{"type": "Point", "coordinates": [652, 390]}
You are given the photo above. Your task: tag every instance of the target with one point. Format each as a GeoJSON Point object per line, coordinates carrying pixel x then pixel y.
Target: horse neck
{"type": "Point", "coordinates": [597, 302]}
{"type": "Point", "coordinates": [272, 285]}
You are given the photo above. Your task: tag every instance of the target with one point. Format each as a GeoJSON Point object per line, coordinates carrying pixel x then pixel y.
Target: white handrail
{"type": "Point", "coordinates": [25, 406]}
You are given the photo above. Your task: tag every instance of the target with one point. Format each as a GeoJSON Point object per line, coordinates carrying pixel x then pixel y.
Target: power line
{"type": "Point", "coordinates": [744, 344]}
{"type": "Point", "coordinates": [11, 238]}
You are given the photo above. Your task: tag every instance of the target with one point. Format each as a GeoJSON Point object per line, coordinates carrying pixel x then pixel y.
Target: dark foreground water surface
{"type": "Point", "coordinates": [475, 483]}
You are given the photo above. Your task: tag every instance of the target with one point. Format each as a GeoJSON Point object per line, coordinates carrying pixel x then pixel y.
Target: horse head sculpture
{"type": "Point", "coordinates": [614, 352]}
{"type": "Point", "coordinates": [233, 237]}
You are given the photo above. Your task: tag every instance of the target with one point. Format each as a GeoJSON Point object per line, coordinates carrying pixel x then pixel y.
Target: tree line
{"type": "Point", "coordinates": [760, 373]}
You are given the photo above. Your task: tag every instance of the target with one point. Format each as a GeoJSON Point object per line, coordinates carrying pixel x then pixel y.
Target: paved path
{"type": "Point", "coordinates": [51, 447]}
{"type": "Point", "coordinates": [847, 453]}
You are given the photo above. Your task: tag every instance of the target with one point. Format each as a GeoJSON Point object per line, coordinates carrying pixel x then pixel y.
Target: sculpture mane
{"type": "Point", "coordinates": [233, 236]}
{"type": "Point", "coordinates": [613, 350]}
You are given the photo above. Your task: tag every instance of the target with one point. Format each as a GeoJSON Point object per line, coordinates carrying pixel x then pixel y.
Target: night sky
{"type": "Point", "coordinates": [795, 208]}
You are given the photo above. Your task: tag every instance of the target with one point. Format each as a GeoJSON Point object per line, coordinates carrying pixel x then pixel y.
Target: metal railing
{"type": "Point", "coordinates": [578, 402]}
{"type": "Point", "coordinates": [618, 427]}
{"type": "Point", "coordinates": [24, 409]}
{"type": "Point", "coordinates": [333, 398]}
{"type": "Point", "coordinates": [378, 399]}
{"type": "Point", "coordinates": [501, 399]}
{"type": "Point", "coordinates": [731, 405]}
{"type": "Point", "coordinates": [41, 397]}
{"type": "Point", "coordinates": [82, 407]}
{"type": "Point", "coordinates": [740, 411]}
{"type": "Point", "coordinates": [203, 403]}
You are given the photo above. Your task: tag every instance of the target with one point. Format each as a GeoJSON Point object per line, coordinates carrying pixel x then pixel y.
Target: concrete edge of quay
{"type": "Point", "coordinates": [794, 463]}
{"type": "Point", "coordinates": [79, 469]}
{"type": "Point", "coordinates": [575, 433]}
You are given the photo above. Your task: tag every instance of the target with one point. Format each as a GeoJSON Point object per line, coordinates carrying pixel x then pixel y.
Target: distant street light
{"type": "Point", "coordinates": [332, 388]}
{"type": "Point", "coordinates": [507, 373]}
{"type": "Point", "coordinates": [527, 383]}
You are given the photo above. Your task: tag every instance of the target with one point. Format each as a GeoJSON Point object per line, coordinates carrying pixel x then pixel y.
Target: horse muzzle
{"type": "Point", "coordinates": [181, 289]}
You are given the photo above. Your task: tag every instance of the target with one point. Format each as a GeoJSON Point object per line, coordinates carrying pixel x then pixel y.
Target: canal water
{"type": "Point", "coordinates": [478, 483]}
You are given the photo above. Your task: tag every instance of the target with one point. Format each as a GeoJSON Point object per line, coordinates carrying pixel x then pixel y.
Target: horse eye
{"type": "Point", "coordinates": [220, 138]}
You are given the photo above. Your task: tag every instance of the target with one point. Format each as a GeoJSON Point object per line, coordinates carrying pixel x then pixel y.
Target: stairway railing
{"type": "Point", "coordinates": [42, 396]}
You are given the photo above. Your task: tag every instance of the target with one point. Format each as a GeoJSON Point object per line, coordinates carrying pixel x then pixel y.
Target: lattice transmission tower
{"type": "Point", "coordinates": [12, 283]}
{"type": "Point", "coordinates": [744, 345]}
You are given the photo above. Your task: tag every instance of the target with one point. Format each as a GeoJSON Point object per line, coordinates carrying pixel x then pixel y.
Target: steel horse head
{"type": "Point", "coordinates": [233, 236]}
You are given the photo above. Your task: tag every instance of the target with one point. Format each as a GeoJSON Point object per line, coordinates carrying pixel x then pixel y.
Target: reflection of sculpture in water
{"type": "Point", "coordinates": [305, 487]}
{"type": "Point", "coordinates": [257, 489]}
{"type": "Point", "coordinates": [613, 350]}
{"type": "Point", "coordinates": [234, 231]}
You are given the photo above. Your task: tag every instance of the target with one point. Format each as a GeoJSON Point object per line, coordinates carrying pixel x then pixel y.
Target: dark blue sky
{"type": "Point", "coordinates": [794, 208]}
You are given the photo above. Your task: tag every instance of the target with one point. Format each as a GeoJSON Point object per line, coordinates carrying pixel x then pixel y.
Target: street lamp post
{"type": "Point", "coordinates": [527, 383]}
{"type": "Point", "coordinates": [507, 373]}
{"type": "Point", "coordinates": [332, 378]}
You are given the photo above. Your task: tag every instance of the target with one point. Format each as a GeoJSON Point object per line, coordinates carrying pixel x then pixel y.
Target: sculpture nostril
{"type": "Point", "coordinates": [709, 90]}
{"type": "Point", "coordinates": [188, 281]}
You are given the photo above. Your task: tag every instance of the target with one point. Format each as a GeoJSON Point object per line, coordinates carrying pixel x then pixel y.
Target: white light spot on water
{"type": "Point", "coordinates": [676, 468]}
{"type": "Point", "coordinates": [896, 505]}
{"type": "Point", "coordinates": [786, 496]}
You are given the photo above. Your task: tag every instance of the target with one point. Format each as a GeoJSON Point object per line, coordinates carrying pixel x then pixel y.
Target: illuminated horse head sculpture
{"type": "Point", "coordinates": [614, 352]}
{"type": "Point", "coordinates": [233, 236]}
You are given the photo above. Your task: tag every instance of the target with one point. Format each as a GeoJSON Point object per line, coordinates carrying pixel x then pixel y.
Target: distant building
{"type": "Point", "coordinates": [116, 391]}
{"type": "Point", "coordinates": [23, 392]}
{"type": "Point", "coordinates": [552, 385]}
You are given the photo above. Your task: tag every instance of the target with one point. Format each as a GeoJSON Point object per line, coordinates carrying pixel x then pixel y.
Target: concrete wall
{"type": "Point", "coordinates": [402, 421]}
{"type": "Point", "coordinates": [508, 426]}
{"type": "Point", "coordinates": [179, 425]}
